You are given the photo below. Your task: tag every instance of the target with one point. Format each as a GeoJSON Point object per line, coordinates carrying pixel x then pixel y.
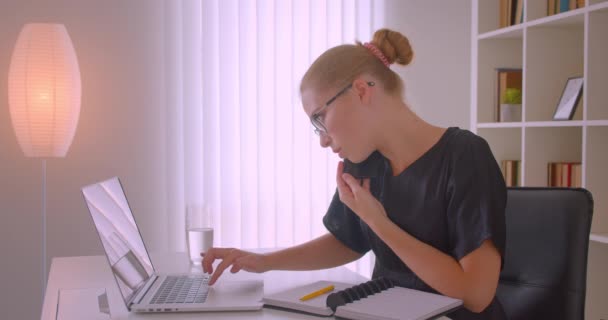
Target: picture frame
{"type": "Point", "coordinates": [571, 95]}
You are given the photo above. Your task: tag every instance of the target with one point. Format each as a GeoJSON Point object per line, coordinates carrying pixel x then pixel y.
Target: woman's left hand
{"type": "Point", "coordinates": [358, 197]}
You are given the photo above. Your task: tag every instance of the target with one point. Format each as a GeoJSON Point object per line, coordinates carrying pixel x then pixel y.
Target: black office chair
{"type": "Point", "coordinates": [545, 270]}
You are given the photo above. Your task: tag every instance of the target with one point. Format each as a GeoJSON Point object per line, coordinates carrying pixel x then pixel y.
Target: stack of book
{"type": "Point", "coordinates": [559, 6]}
{"type": "Point", "coordinates": [564, 174]}
{"type": "Point", "coordinates": [510, 171]}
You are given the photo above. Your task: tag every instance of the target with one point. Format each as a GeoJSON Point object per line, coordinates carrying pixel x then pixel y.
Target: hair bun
{"type": "Point", "coordinates": [395, 46]}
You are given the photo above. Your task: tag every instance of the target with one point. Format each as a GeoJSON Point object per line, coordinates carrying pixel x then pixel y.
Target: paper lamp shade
{"type": "Point", "coordinates": [44, 90]}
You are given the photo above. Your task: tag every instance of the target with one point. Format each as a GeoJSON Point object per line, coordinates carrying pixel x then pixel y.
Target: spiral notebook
{"type": "Point", "coordinates": [375, 299]}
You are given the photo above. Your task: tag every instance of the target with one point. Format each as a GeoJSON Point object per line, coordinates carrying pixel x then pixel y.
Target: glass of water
{"type": "Point", "coordinates": [199, 231]}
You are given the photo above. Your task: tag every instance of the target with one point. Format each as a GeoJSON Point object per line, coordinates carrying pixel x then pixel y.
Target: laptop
{"type": "Point", "coordinates": [141, 287]}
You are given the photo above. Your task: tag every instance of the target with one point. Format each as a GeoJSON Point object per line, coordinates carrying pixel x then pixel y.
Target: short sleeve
{"type": "Point", "coordinates": [476, 199]}
{"type": "Point", "coordinates": [345, 225]}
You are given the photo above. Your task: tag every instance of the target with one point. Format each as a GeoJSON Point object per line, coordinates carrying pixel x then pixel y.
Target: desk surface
{"type": "Point", "coordinates": [94, 272]}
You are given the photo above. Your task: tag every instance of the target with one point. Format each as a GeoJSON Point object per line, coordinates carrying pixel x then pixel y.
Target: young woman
{"type": "Point", "coordinates": [433, 215]}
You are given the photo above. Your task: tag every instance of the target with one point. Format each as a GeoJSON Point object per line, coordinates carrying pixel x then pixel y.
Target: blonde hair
{"type": "Point", "coordinates": [340, 65]}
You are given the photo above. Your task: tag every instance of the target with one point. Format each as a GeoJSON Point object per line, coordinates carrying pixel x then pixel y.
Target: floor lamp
{"type": "Point", "coordinates": [44, 98]}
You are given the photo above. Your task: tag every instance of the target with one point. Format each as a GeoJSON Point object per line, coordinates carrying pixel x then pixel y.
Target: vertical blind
{"type": "Point", "coordinates": [238, 140]}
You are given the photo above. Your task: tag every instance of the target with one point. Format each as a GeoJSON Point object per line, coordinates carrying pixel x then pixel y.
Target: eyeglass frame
{"type": "Point", "coordinates": [317, 124]}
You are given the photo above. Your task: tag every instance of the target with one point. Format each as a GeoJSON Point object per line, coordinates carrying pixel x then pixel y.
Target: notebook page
{"type": "Point", "coordinates": [398, 303]}
{"type": "Point", "coordinates": [291, 298]}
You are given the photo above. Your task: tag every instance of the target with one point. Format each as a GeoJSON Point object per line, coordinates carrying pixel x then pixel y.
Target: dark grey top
{"type": "Point", "coordinates": [453, 198]}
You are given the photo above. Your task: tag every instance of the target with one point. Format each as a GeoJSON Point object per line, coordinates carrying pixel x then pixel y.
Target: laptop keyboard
{"type": "Point", "coordinates": [182, 289]}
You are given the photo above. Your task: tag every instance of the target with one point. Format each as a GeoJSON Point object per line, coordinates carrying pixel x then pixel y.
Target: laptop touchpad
{"type": "Point", "coordinates": [230, 291]}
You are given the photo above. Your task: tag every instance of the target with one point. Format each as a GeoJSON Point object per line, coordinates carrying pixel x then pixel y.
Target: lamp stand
{"type": "Point", "coordinates": [43, 227]}
{"type": "Point", "coordinates": [44, 99]}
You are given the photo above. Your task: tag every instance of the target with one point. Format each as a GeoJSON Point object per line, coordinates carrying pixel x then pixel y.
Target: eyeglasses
{"type": "Point", "coordinates": [315, 119]}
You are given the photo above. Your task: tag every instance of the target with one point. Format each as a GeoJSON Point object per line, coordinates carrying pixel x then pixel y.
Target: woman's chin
{"type": "Point", "coordinates": [355, 160]}
{"type": "Point", "coordinates": [358, 158]}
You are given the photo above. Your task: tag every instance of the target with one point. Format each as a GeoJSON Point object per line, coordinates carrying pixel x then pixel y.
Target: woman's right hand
{"type": "Point", "coordinates": [238, 259]}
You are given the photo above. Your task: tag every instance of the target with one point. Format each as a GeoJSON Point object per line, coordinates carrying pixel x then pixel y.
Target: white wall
{"type": "Point", "coordinates": [437, 83]}
{"type": "Point", "coordinates": [119, 45]}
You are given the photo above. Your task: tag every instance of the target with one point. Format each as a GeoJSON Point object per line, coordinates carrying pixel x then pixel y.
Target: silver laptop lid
{"type": "Point", "coordinates": [120, 236]}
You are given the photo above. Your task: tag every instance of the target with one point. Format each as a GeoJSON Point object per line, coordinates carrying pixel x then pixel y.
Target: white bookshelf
{"type": "Point", "coordinates": [600, 237]}
{"type": "Point", "coordinates": [549, 49]}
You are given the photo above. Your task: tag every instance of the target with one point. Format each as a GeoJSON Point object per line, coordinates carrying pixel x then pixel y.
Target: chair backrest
{"type": "Point", "coordinates": [545, 271]}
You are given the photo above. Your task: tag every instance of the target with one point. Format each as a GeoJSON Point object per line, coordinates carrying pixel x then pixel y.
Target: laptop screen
{"type": "Point", "coordinates": [120, 237]}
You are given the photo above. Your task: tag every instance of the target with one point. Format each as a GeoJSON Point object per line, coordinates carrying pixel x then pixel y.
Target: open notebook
{"type": "Point", "coordinates": [376, 299]}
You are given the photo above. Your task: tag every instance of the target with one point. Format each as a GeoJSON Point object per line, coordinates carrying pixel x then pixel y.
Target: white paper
{"type": "Point", "coordinates": [78, 304]}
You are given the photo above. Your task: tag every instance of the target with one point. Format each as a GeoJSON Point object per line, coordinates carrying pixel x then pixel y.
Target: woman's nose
{"type": "Point", "coordinates": [324, 139]}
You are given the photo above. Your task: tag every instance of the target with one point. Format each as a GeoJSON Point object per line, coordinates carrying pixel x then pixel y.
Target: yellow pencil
{"type": "Point", "coordinates": [317, 293]}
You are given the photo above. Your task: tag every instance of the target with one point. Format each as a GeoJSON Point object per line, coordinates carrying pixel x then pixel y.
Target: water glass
{"type": "Point", "coordinates": [199, 231]}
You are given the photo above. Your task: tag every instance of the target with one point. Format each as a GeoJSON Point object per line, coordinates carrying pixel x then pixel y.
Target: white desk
{"type": "Point", "coordinates": [93, 271]}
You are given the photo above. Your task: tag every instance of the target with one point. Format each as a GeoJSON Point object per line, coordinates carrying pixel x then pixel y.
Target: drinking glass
{"type": "Point", "coordinates": [199, 231]}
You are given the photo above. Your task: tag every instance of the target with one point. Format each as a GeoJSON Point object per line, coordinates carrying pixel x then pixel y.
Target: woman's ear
{"type": "Point", "coordinates": [363, 90]}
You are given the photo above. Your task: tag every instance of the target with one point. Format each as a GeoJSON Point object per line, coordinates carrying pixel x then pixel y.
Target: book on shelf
{"type": "Point", "coordinates": [511, 12]}
{"type": "Point", "coordinates": [510, 172]}
{"type": "Point", "coordinates": [559, 6]}
{"type": "Point", "coordinates": [580, 3]}
{"type": "Point", "coordinates": [564, 5]}
{"type": "Point", "coordinates": [375, 299]}
{"type": "Point", "coordinates": [519, 12]}
{"type": "Point", "coordinates": [503, 14]}
{"type": "Point", "coordinates": [564, 174]}
{"type": "Point", "coordinates": [551, 7]}
{"type": "Point", "coordinates": [508, 94]}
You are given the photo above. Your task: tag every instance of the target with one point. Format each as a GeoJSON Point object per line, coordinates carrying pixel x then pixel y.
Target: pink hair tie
{"type": "Point", "coordinates": [371, 47]}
